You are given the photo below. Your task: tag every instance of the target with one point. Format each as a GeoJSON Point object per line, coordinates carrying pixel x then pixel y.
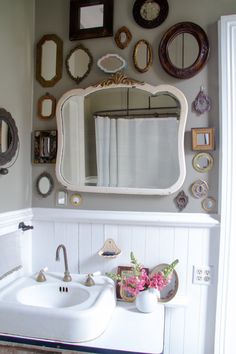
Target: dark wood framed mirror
{"type": "Point", "coordinates": [46, 106]}
{"type": "Point", "coordinates": [9, 139]}
{"type": "Point", "coordinates": [49, 57]}
{"type": "Point", "coordinates": [123, 37]}
{"type": "Point", "coordinates": [90, 19]}
{"type": "Point", "coordinates": [184, 50]}
{"type": "Point", "coordinates": [150, 13]}
{"type": "Point", "coordinates": [142, 56]}
{"type": "Point", "coordinates": [44, 184]}
{"type": "Point", "coordinates": [44, 146]}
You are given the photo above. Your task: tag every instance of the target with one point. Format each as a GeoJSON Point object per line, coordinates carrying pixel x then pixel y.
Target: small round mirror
{"type": "Point", "coordinates": [142, 56]}
{"type": "Point", "coordinates": [208, 204]}
{"type": "Point", "coordinates": [169, 291]}
{"type": "Point", "coordinates": [79, 63]}
{"type": "Point", "coordinates": [203, 162]}
{"type": "Point", "coordinates": [44, 184]}
{"type": "Point", "coordinates": [150, 13]}
{"type": "Point", "coordinates": [76, 199]}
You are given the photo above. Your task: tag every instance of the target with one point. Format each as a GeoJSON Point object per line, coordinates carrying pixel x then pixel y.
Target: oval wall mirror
{"type": "Point", "coordinates": [142, 55]}
{"type": "Point", "coordinates": [44, 184]}
{"type": "Point", "coordinates": [169, 291]}
{"type": "Point", "coordinates": [78, 63]}
{"type": "Point", "coordinates": [46, 106]}
{"type": "Point", "coordinates": [127, 109]}
{"type": "Point", "coordinates": [184, 50]}
{"type": "Point", "coordinates": [123, 37]}
{"type": "Point", "coordinates": [49, 53]}
{"type": "Point", "coordinates": [150, 13]}
{"type": "Point", "coordinates": [111, 63]}
{"type": "Point", "coordinates": [9, 139]}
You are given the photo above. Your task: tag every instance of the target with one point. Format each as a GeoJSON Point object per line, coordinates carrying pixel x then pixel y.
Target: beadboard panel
{"type": "Point", "coordinates": [188, 328]}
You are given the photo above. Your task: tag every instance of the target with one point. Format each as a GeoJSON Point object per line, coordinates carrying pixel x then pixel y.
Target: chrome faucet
{"type": "Point", "coordinates": [67, 276]}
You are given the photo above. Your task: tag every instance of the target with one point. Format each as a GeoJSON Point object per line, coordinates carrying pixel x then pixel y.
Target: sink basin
{"type": "Point", "coordinates": [56, 310]}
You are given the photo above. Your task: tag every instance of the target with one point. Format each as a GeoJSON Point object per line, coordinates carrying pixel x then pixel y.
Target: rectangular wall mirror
{"type": "Point", "coordinates": [91, 19]}
{"type": "Point", "coordinates": [203, 139]}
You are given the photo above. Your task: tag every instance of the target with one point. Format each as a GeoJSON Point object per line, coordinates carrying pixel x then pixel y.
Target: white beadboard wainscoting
{"type": "Point", "coordinates": [154, 238]}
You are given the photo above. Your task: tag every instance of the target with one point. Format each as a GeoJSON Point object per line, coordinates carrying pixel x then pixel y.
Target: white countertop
{"type": "Point", "coordinates": [133, 331]}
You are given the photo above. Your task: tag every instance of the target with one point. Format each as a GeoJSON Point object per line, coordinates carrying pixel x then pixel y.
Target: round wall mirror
{"type": "Point", "coordinates": [209, 204]}
{"type": "Point", "coordinates": [184, 50]}
{"type": "Point", "coordinates": [203, 162]}
{"type": "Point", "coordinates": [111, 63]}
{"type": "Point", "coordinates": [150, 13]}
{"type": "Point", "coordinates": [171, 289]}
{"type": "Point", "coordinates": [142, 56]}
{"type": "Point", "coordinates": [44, 184]}
{"type": "Point", "coordinates": [9, 139]}
{"type": "Point", "coordinates": [78, 63]}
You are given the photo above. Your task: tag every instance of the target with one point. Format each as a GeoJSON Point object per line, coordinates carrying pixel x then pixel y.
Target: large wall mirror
{"type": "Point", "coordinates": [122, 136]}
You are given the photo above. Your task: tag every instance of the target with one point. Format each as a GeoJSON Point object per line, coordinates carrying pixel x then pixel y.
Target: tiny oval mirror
{"type": "Point", "coordinates": [9, 139]}
{"type": "Point", "coordinates": [142, 56]}
{"type": "Point", "coordinates": [111, 63]}
{"type": "Point", "coordinates": [49, 60]}
{"type": "Point", "coordinates": [123, 37]}
{"type": "Point", "coordinates": [44, 184]}
{"type": "Point", "coordinates": [203, 162]}
{"type": "Point", "coordinates": [46, 106]}
{"type": "Point", "coordinates": [78, 63]}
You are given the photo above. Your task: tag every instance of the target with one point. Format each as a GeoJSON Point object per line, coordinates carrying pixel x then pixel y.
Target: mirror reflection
{"type": "Point", "coordinates": [78, 63]}
{"type": "Point", "coordinates": [44, 184]}
{"type": "Point", "coordinates": [91, 16]}
{"type": "Point", "coordinates": [5, 136]}
{"type": "Point", "coordinates": [103, 135]}
{"type": "Point", "coordinates": [183, 50]}
{"type": "Point", "coordinates": [203, 162]}
{"type": "Point", "coordinates": [142, 56]}
{"type": "Point", "coordinates": [111, 63]}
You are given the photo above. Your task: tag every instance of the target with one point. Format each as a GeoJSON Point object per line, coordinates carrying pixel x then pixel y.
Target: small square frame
{"type": "Point", "coordinates": [208, 137]}
{"type": "Point", "coordinates": [126, 271]}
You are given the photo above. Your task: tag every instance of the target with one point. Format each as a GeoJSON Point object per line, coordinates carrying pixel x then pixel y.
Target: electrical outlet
{"type": "Point", "coordinates": [202, 275]}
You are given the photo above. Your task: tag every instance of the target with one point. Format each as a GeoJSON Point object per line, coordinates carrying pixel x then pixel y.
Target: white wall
{"type": "Point", "coordinates": [16, 73]}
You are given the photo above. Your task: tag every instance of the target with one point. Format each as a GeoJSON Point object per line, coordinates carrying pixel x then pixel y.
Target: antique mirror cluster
{"type": "Point", "coordinates": [82, 114]}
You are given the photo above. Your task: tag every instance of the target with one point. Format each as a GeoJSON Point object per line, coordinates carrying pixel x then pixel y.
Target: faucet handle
{"type": "Point", "coordinates": [41, 276]}
{"type": "Point", "coordinates": [89, 281]}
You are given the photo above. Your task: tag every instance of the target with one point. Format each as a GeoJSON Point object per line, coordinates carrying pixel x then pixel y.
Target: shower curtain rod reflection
{"type": "Point", "coordinates": [130, 113]}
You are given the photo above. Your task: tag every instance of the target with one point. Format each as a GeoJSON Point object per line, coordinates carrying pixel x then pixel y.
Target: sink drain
{"type": "Point", "coordinates": [63, 289]}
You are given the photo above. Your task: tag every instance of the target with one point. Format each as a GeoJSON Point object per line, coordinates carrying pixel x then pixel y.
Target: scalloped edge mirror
{"type": "Point", "coordinates": [72, 164]}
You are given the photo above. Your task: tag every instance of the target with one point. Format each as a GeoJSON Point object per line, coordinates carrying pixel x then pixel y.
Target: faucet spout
{"type": "Point", "coordinates": [67, 276]}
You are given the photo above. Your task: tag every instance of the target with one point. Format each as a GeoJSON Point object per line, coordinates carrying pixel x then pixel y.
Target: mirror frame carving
{"type": "Point", "coordinates": [119, 80]}
{"type": "Point", "coordinates": [149, 55]}
{"type": "Point", "coordinates": [76, 33]}
{"type": "Point", "coordinates": [201, 37]}
{"type": "Point", "coordinates": [7, 156]}
{"type": "Point", "coordinates": [78, 79]}
{"type": "Point", "coordinates": [59, 60]}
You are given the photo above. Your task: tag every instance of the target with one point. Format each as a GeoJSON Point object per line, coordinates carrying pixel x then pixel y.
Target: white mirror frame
{"type": "Point", "coordinates": [79, 95]}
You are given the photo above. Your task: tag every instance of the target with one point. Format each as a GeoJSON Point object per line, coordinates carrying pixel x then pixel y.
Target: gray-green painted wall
{"type": "Point", "coordinates": [16, 94]}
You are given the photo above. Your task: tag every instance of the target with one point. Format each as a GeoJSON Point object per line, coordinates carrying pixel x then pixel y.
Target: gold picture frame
{"type": "Point", "coordinates": [203, 139]}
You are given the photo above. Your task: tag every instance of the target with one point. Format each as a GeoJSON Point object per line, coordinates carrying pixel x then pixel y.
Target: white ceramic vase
{"type": "Point", "coordinates": [147, 300]}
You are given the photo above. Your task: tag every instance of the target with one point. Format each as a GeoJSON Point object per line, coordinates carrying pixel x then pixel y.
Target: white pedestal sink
{"type": "Point", "coordinates": [56, 310]}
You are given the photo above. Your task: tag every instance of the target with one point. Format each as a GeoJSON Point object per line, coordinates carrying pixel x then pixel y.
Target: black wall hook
{"type": "Point", "coordinates": [24, 227]}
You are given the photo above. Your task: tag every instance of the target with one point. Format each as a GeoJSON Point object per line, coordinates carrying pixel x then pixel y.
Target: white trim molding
{"type": "Point", "coordinates": [9, 221]}
{"type": "Point", "coordinates": [226, 305]}
{"type": "Point", "coordinates": [126, 217]}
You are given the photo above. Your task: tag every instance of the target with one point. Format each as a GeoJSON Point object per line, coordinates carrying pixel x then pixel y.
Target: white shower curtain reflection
{"type": "Point", "coordinates": [137, 152]}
